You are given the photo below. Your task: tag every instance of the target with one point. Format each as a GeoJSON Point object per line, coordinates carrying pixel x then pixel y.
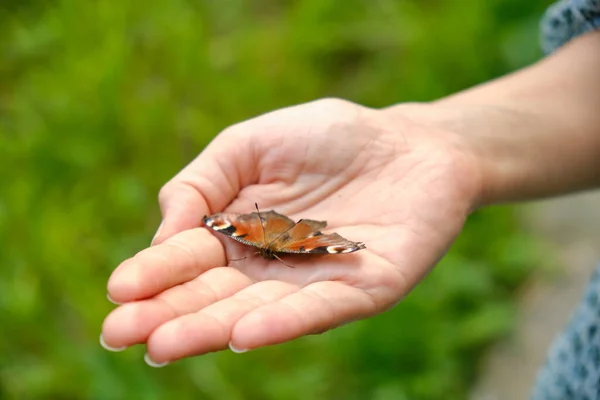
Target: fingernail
{"type": "Point", "coordinates": [107, 347]}
{"type": "Point", "coordinates": [157, 231]}
{"type": "Point", "coordinates": [236, 350]}
{"type": "Point", "coordinates": [111, 300]}
{"type": "Point", "coordinates": [153, 363]}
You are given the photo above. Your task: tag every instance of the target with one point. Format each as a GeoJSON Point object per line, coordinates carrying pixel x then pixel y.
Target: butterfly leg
{"type": "Point", "coordinates": [283, 262]}
{"type": "Point", "coordinates": [239, 259]}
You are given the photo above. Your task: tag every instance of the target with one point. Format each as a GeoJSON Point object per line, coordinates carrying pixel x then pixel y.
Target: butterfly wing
{"type": "Point", "coordinates": [250, 229]}
{"type": "Point", "coordinates": [277, 233]}
{"type": "Point", "coordinates": [245, 228]}
{"type": "Point", "coordinates": [276, 225]}
{"type": "Point", "coordinates": [306, 237]}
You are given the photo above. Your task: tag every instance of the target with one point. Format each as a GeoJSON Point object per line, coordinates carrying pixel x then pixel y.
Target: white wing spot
{"type": "Point", "coordinates": [334, 249]}
{"type": "Point", "coordinates": [340, 249]}
{"type": "Point", "coordinates": [222, 225]}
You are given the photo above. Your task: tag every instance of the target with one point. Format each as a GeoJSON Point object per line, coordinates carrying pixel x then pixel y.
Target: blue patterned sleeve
{"type": "Point", "coordinates": [572, 368]}
{"type": "Point", "coordinates": [567, 19]}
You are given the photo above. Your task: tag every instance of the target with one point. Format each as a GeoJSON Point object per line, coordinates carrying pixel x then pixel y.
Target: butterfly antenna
{"type": "Point", "coordinates": [239, 259]}
{"type": "Point", "coordinates": [261, 223]}
{"type": "Point", "coordinates": [286, 231]}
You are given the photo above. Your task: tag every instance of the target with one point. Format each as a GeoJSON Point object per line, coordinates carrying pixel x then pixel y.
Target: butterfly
{"type": "Point", "coordinates": [273, 233]}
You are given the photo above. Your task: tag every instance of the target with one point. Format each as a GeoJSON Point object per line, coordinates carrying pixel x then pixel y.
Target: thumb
{"type": "Point", "coordinates": [208, 184]}
{"type": "Point", "coordinates": [182, 208]}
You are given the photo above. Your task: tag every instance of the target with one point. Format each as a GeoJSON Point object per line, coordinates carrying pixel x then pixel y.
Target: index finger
{"type": "Point", "coordinates": [179, 259]}
{"type": "Point", "coordinates": [208, 184]}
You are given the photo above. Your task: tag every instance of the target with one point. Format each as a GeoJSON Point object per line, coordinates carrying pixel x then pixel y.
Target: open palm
{"type": "Point", "coordinates": [402, 188]}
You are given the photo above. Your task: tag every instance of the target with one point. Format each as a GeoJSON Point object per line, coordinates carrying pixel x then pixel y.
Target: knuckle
{"type": "Point", "coordinates": [332, 102]}
{"type": "Point", "coordinates": [235, 131]}
{"type": "Point", "coordinates": [164, 193]}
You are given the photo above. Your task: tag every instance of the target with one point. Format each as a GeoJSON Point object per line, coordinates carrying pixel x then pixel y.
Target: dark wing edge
{"type": "Point", "coordinates": [224, 223]}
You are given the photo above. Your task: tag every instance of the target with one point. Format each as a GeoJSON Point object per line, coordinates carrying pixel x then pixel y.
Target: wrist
{"type": "Point", "coordinates": [479, 131]}
{"type": "Point", "coordinates": [518, 154]}
{"type": "Point", "coordinates": [534, 133]}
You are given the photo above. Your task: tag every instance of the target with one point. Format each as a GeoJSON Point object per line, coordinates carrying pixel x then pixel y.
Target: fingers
{"type": "Point", "coordinates": [265, 313]}
{"type": "Point", "coordinates": [133, 322]}
{"type": "Point", "coordinates": [182, 207]}
{"type": "Point", "coordinates": [316, 308]}
{"type": "Point", "coordinates": [210, 328]}
{"type": "Point", "coordinates": [207, 184]}
{"type": "Point", "coordinates": [180, 259]}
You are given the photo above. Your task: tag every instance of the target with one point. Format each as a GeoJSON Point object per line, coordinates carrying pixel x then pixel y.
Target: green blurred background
{"type": "Point", "coordinates": [101, 102]}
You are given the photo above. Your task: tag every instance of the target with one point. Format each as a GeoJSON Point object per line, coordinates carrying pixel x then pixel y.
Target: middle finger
{"type": "Point", "coordinates": [132, 323]}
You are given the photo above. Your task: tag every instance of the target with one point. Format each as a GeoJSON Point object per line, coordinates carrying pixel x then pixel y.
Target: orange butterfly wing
{"type": "Point", "coordinates": [250, 229]}
{"type": "Point", "coordinates": [277, 233]}
{"type": "Point", "coordinates": [306, 237]}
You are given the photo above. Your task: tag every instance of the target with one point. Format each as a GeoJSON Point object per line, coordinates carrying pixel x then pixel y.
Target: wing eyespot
{"type": "Point", "coordinates": [219, 226]}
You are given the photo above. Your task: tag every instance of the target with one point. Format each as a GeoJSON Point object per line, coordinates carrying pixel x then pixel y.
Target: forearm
{"type": "Point", "coordinates": [537, 131]}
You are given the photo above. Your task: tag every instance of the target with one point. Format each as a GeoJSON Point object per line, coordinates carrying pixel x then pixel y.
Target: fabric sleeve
{"type": "Point", "coordinates": [567, 19]}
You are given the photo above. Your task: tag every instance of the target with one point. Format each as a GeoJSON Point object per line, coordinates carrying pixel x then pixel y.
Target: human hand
{"type": "Point", "coordinates": [402, 188]}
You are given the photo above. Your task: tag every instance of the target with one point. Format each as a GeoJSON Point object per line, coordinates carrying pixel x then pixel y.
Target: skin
{"type": "Point", "coordinates": [402, 179]}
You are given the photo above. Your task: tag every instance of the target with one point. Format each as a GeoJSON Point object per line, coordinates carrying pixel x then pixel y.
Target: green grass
{"type": "Point", "coordinates": [102, 102]}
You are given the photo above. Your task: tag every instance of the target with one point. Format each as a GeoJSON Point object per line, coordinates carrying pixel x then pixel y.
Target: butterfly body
{"type": "Point", "coordinates": [273, 233]}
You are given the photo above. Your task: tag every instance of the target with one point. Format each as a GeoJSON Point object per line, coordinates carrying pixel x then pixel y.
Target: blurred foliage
{"type": "Point", "coordinates": [101, 102]}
